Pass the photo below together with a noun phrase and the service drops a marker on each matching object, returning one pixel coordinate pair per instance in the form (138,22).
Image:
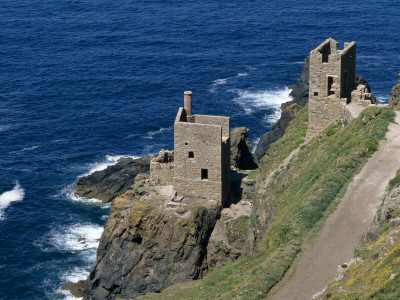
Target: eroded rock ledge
(147,246)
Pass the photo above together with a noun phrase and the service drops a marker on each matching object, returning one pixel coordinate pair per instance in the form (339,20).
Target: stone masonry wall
(204,142)
(328,86)
(226,170)
(161,173)
(348,70)
(224,122)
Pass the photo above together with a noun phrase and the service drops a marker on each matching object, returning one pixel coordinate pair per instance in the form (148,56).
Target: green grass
(293,204)
(378,275)
(395,182)
(253,174)
(294,136)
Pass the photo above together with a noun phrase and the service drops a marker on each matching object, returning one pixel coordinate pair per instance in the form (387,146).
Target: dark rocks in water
(394,101)
(77,289)
(113,181)
(241,156)
(300,98)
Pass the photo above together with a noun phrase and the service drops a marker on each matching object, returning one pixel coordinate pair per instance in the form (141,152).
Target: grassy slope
(378,275)
(293,204)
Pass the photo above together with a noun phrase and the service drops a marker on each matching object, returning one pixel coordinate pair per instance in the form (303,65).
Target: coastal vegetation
(292,204)
(375,271)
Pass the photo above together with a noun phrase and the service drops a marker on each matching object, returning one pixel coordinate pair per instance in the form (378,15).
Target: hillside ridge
(343,229)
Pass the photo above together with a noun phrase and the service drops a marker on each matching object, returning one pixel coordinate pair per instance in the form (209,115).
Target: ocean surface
(83,82)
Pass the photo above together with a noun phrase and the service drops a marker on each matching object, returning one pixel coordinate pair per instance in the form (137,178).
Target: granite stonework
(333,84)
(200,170)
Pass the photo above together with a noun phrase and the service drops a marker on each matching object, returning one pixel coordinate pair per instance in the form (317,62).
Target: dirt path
(343,230)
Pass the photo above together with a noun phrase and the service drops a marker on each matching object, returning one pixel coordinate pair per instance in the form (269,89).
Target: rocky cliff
(394,101)
(299,94)
(151,240)
(147,245)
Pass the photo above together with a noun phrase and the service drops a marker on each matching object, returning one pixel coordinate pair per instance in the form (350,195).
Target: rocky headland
(154,245)
(113,181)
(151,240)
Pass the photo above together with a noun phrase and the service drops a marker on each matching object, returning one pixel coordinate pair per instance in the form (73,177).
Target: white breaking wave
(272,118)
(79,237)
(16,194)
(98,166)
(25,149)
(67,295)
(4,127)
(75,274)
(383,99)
(72,196)
(151,134)
(262,100)
(221,81)
(108,161)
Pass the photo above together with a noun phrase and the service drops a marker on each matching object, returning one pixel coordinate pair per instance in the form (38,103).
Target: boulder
(77,289)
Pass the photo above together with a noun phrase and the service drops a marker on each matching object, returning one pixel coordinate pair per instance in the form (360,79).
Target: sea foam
(264,99)
(108,161)
(16,194)
(79,237)
(151,134)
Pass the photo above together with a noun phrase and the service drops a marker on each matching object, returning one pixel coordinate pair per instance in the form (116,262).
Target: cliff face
(394,101)
(151,240)
(147,246)
(289,109)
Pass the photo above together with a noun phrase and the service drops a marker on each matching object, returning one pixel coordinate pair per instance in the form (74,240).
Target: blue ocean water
(83,82)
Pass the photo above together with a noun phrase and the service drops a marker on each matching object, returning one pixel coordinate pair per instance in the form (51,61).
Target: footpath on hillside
(343,230)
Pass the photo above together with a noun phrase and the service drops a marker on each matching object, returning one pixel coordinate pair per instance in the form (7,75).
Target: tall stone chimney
(188,103)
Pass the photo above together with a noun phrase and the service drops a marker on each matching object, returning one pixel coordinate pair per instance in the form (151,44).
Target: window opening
(204,174)
(330,83)
(191,154)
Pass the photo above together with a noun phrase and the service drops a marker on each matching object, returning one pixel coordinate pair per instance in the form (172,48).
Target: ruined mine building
(200,170)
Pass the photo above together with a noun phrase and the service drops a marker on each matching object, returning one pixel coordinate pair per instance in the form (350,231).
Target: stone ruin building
(199,167)
(332,84)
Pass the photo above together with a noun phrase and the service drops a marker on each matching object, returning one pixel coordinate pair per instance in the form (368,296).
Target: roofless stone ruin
(199,169)
(332,84)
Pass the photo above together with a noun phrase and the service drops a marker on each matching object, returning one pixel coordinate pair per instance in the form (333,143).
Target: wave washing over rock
(16,194)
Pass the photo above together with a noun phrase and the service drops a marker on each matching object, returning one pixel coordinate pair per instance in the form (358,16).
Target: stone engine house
(200,170)
(332,76)
(332,84)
